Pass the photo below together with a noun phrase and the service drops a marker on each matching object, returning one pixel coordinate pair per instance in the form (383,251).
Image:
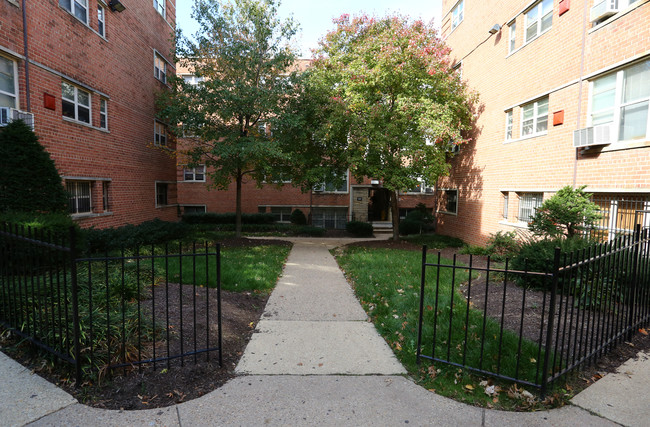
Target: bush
(360,229)
(502,245)
(408,226)
(567,213)
(308,230)
(227,218)
(298,217)
(130,236)
(538,256)
(29,181)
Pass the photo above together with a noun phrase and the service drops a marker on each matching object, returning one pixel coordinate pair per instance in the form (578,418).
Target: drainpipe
(27,91)
(582,66)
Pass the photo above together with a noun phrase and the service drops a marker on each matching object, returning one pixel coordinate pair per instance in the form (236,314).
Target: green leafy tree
(401,105)
(567,213)
(243,54)
(29,181)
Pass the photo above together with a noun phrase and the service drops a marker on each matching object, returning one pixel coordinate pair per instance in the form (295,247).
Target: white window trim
(520,197)
(193,173)
(618,105)
(161,7)
(103,20)
(15,75)
(538,22)
(76,105)
(459,6)
(157,126)
(512,36)
(103,114)
(72,11)
(158,72)
(510,124)
(536,117)
(337,191)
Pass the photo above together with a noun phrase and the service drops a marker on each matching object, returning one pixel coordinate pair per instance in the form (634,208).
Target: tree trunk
(394,200)
(238,207)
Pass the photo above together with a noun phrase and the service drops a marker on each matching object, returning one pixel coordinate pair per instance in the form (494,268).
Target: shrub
(567,213)
(227,218)
(298,217)
(409,226)
(29,181)
(308,230)
(502,245)
(360,229)
(130,236)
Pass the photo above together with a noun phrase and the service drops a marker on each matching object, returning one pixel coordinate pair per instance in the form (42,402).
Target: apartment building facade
(564,91)
(86,73)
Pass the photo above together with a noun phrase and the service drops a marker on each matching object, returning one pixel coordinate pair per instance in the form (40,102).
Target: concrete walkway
(315,360)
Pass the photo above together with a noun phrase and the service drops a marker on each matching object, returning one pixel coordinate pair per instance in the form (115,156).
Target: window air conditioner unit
(593,136)
(603,9)
(7,115)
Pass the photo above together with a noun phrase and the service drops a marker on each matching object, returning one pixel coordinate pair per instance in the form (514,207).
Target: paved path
(315,360)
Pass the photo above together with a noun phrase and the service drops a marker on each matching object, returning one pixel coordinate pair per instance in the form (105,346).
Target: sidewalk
(315,359)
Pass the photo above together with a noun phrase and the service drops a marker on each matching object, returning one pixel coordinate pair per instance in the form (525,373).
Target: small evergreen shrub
(298,217)
(359,229)
(130,236)
(408,226)
(308,230)
(502,245)
(227,218)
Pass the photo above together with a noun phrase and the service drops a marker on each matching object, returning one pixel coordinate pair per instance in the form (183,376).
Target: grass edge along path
(387,283)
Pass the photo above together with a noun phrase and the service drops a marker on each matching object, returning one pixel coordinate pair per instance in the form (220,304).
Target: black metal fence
(490,321)
(152,306)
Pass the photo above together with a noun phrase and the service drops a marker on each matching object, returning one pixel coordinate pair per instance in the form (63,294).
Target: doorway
(379,205)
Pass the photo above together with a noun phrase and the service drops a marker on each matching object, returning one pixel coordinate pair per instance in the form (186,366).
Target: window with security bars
(79,197)
(330,218)
(528,204)
(281,213)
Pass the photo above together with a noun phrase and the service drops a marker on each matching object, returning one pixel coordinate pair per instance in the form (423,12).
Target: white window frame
(72,6)
(512,37)
(192,174)
(619,105)
(160,6)
(159,67)
(160,134)
(77,105)
(537,22)
(506,199)
(193,80)
(14,71)
(509,124)
(101,20)
(536,118)
(103,113)
(338,189)
(528,201)
(76,194)
(457,14)
(324,216)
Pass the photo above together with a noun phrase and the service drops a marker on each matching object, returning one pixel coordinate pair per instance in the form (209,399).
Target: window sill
(194,181)
(88,125)
(448,213)
(528,43)
(87,215)
(522,225)
(523,138)
(626,145)
(166,206)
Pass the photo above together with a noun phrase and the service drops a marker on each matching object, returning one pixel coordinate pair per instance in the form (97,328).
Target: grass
(254,269)
(387,284)
(434,241)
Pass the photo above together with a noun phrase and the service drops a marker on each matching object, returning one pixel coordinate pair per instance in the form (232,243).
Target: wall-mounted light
(495,29)
(116,6)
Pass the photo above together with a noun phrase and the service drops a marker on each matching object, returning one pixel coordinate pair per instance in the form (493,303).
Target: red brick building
(565,90)
(86,73)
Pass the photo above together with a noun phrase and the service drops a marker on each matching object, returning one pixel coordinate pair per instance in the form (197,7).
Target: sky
(315,16)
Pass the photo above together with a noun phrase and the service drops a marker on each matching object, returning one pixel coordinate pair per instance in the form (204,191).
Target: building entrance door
(379,205)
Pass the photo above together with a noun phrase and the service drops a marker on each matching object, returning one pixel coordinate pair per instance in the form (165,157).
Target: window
(193,80)
(281,214)
(79,196)
(75,103)
(8,80)
(159,5)
(161,193)
(103,113)
(194,174)
(512,37)
(194,209)
(509,121)
(78,8)
(105,200)
(528,204)
(534,117)
(623,98)
(457,15)
(451,201)
(421,187)
(331,218)
(539,19)
(160,134)
(341,188)
(506,199)
(101,21)
(160,68)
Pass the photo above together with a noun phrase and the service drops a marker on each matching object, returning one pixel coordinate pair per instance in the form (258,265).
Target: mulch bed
(241,312)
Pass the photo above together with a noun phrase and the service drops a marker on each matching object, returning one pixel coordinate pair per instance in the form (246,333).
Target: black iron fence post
(636,241)
(421,315)
(551,321)
(75,306)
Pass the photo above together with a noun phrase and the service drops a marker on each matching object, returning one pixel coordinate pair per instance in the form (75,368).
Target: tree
(568,212)
(242,54)
(402,105)
(29,181)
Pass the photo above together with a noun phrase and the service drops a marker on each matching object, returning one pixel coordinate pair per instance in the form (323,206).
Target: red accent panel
(564,7)
(50,101)
(558,118)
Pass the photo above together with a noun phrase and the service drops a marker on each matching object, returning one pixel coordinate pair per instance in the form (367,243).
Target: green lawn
(387,283)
